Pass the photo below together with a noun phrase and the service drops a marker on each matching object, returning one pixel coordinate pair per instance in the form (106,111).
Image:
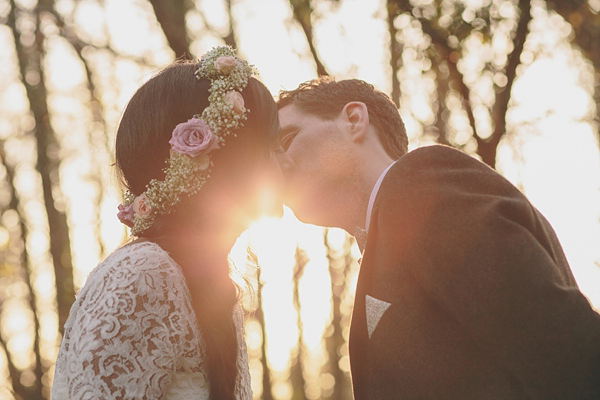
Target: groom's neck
(358,197)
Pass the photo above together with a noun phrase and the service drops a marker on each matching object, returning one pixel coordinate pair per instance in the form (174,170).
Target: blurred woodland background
(515,83)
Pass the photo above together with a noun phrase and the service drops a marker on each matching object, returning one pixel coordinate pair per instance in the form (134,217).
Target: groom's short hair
(325,97)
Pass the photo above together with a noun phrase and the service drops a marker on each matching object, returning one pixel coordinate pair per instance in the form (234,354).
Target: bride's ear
(356,116)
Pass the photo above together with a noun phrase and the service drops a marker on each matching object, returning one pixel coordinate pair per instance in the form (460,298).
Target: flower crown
(189,164)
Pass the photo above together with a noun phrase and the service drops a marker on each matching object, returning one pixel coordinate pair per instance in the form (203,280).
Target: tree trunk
(267,390)
(36,391)
(335,340)
(296,371)
(30,58)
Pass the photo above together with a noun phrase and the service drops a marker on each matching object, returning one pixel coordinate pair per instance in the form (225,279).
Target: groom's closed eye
(286,140)
(287,135)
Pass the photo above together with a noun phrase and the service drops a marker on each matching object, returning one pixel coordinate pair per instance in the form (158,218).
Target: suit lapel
(359,331)
(359,335)
(357,346)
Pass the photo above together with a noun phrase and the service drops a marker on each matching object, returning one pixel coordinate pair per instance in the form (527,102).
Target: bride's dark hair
(142,146)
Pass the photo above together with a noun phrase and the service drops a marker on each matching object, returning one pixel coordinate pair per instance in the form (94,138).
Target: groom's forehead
(290,113)
(292,117)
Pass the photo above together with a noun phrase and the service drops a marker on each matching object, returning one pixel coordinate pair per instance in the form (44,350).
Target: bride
(159,318)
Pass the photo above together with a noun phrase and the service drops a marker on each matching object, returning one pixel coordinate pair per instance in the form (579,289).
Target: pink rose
(141,207)
(225,64)
(193,138)
(235,99)
(126,214)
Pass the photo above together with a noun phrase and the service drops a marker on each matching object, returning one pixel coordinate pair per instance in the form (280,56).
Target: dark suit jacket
(483,303)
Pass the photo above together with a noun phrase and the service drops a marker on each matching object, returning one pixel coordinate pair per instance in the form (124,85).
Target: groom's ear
(356,119)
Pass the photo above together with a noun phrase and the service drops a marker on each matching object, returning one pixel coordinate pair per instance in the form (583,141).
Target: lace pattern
(132,333)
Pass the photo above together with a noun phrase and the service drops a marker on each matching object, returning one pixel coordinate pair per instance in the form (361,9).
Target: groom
(464,291)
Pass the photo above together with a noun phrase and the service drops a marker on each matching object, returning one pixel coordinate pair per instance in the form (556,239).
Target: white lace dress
(132,334)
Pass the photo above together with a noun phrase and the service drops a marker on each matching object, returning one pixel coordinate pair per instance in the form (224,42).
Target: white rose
(235,99)
(225,64)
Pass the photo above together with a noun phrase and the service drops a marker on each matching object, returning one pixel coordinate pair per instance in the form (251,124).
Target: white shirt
(374,195)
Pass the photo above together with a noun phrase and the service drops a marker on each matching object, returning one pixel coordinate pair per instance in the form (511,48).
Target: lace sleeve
(131,332)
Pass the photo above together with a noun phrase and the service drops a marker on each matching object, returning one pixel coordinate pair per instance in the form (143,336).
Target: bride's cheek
(269,189)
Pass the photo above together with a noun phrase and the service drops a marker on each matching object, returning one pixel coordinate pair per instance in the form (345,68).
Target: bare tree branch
(79,44)
(395,50)
(451,57)
(302,11)
(170,14)
(442,93)
(229,38)
(585,23)
(487,147)
(97,111)
(586,26)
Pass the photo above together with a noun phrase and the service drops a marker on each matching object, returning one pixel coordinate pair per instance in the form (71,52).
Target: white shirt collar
(374,195)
